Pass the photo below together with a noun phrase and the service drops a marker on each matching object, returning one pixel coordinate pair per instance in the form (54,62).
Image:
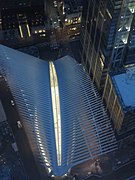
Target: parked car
(19,124)
(12,103)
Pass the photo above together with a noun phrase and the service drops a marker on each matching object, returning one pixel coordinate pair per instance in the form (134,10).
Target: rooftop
(125,86)
(61,110)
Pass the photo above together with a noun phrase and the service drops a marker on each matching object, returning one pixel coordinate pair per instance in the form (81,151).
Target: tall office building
(107,36)
(22,21)
(61,111)
(71,12)
(108,40)
(120,102)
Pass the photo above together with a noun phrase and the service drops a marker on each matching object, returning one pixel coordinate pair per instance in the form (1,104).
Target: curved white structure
(62,112)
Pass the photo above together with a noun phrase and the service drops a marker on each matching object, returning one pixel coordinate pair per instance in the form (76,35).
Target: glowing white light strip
(20,28)
(56,110)
(28,29)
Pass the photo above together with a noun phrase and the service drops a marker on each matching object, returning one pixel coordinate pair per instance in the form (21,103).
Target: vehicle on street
(19,124)
(12,103)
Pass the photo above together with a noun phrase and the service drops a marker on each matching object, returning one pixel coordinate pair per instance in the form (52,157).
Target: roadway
(121,174)
(19,134)
(51,10)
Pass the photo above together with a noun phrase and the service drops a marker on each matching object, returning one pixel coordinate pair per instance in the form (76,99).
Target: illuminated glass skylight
(61,111)
(56,110)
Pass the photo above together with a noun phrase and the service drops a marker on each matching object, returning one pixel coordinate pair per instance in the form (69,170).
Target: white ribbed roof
(80,132)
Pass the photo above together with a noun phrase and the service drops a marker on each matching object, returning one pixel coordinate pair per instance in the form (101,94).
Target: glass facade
(107,36)
(21,21)
(61,111)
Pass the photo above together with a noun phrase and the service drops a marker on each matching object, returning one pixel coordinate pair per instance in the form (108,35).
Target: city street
(122,174)
(47,54)
(51,10)
(72,49)
(19,134)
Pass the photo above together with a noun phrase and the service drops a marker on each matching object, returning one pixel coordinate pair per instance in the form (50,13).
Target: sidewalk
(124,156)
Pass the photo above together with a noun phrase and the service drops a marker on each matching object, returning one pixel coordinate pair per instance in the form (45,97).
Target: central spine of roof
(56,110)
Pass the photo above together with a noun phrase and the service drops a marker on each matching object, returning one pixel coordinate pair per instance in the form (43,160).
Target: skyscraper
(107,36)
(108,41)
(120,102)
(21,21)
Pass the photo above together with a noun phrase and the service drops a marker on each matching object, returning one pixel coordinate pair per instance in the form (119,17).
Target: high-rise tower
(22,21)
(107,36)
(108,41)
